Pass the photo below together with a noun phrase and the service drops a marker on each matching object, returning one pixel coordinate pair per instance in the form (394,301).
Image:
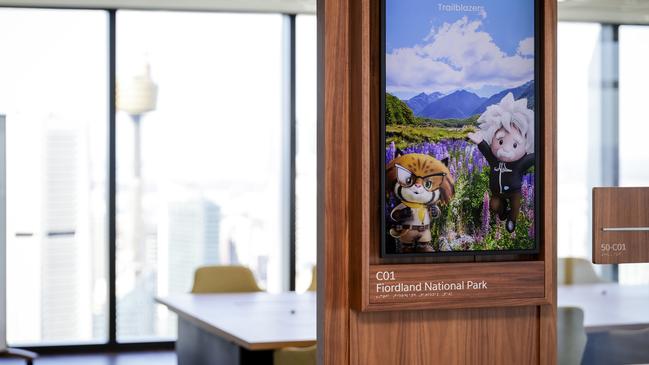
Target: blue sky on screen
(484,47)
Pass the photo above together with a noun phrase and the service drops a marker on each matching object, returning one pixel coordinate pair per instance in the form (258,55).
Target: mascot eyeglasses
(429,182)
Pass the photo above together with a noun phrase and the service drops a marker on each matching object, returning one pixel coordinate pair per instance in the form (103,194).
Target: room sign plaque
(620,225)
(446,284)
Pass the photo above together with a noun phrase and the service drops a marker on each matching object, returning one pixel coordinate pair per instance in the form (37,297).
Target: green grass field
(406,135)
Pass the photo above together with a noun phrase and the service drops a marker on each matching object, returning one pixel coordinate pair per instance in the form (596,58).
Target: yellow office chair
(571,335)
(295,356)
(224,279)
(573,270)
(314,280)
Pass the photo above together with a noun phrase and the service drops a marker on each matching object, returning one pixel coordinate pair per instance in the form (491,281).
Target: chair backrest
(571,336)
(224,279)
(630,346)
(295,356)
(573,270)
(314,280)
(618,347)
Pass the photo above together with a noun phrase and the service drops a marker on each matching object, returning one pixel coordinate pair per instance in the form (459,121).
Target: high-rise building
(193,239)
(187,237)
(65,296)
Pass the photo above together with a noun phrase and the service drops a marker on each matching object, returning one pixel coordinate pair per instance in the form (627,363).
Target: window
(201,162)
(578,162)
(306,156)
(200,177)
(601,129)
(202,157)
(634,127)
(54,93)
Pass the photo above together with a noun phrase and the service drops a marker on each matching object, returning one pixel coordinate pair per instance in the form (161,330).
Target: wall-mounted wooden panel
(523,333)
(620,225)
(473,336)
(456,285)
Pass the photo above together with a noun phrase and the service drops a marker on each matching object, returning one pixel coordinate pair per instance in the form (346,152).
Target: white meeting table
(608,306)
(241,328)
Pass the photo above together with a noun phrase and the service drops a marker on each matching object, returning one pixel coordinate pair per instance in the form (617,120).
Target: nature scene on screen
(459,126)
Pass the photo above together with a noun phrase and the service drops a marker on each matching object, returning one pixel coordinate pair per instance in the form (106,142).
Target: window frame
(289,115)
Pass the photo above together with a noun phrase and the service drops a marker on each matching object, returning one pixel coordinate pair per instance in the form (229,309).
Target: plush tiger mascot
(420,182)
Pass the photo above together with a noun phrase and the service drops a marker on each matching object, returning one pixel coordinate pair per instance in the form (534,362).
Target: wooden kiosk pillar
(508,327)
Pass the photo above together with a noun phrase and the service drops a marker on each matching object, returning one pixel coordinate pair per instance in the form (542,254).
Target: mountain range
(421,101)
(463,104)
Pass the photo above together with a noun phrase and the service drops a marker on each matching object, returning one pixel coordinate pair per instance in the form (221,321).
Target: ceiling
(264,6)
(605,11)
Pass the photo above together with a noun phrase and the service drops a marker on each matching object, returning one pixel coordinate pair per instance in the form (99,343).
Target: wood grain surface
(626,209)
(334,20)
(505,284)
(548,312)
(468,336)
(349,225)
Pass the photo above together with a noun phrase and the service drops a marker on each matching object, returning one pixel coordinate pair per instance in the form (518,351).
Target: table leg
(195,346)
(255,357)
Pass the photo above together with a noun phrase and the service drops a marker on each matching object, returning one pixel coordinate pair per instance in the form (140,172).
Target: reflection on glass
(199,175)
(53,90)
(306,159)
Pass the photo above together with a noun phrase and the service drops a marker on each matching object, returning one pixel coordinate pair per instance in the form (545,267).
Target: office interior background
(110,206)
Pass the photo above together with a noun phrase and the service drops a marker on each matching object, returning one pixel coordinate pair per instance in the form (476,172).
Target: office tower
(182,236)
(193,239)
(135,313)
(65,295)
(137,262)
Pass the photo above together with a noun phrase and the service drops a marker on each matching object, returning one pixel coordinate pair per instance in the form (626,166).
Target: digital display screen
(459,127)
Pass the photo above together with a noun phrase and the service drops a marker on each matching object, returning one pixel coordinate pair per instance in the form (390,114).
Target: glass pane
(578,162)
(200,173)
(590,70)
(306,156)
(53,89)
(634,125)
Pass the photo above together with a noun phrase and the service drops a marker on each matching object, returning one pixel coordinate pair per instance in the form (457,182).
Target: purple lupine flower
(525,191)
(390,153)
(531,232)
(528,192)
(530,188)
(498,235)
(485,213)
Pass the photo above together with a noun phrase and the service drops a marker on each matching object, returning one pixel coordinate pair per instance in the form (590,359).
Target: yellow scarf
(419,207)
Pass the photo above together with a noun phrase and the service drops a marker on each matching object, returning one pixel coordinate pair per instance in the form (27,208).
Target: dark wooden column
(348,224)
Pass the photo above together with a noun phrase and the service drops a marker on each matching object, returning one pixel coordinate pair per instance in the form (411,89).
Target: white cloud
(456,56)
(526,47)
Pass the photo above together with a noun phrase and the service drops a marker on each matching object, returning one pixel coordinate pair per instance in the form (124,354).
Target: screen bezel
(538,163)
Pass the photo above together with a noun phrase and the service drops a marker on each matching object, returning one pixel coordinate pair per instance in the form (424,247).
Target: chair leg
(28,356)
